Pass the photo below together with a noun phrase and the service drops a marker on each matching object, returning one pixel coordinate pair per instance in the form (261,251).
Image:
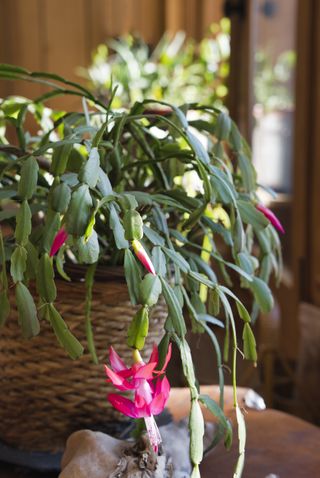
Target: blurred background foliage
(177,70)
(273,80)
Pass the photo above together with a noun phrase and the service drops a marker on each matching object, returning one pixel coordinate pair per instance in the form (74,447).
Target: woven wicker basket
(45,395)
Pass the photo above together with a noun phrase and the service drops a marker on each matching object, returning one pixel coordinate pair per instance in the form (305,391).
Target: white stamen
(153,432)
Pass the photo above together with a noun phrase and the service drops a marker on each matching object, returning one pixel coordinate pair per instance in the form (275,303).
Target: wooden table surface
(277,443)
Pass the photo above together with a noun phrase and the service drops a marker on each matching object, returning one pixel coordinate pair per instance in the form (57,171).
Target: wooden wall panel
(313,214)
(66,42)
(59,35)
(20,36)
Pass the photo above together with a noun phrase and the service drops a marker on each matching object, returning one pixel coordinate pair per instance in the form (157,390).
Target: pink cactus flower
(151,391)
(271,216)
(143,256)
(58,241)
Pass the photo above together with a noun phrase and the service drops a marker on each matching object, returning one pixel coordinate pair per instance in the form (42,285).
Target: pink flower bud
(58,241)
(143,256)
(271,217)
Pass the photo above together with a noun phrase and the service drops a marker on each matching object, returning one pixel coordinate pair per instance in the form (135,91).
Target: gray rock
(96,455)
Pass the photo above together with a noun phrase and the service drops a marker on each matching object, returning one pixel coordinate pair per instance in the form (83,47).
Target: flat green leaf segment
(168,194)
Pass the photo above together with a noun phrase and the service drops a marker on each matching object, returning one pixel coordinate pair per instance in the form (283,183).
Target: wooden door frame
(306,168)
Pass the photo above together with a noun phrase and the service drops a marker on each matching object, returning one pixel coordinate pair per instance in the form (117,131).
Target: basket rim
(103,273)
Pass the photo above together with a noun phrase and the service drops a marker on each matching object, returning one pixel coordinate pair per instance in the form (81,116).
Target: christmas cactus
(168,193)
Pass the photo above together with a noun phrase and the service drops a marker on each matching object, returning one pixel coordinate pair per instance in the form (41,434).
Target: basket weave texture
(45,395)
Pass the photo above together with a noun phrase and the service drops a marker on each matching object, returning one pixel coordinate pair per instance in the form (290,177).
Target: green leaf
(159,261)
(153,236)
(99,135)
(214,301)
(206,183)
(217,228)
(248,173)
(218,150)
(187,364)
(177,259)
(196,326)
(198,148)
(211,320)
(245,262)
(238,234)
(79,211)
(244,314)
(214,408)
(117,228)
(133,277)
(138,329)
(127,201)
(150,289)
(27,312)
(23,224)
(202,279)
(262,294)
(104,184)
(7,192)
(194,217)
(143,198)
(222,187)
(163,350)
(250,215)
(180,116)
(18,263)
(174,308)
(60,198)
(249,343)
(45,279)
(60,158)
(133,225)
(60,263)
(66,339)
(235,138)
(4,307)
(29,178)
(89,249)
(50,229)
(89,282)
(196,426)
(223,126)
(90,170)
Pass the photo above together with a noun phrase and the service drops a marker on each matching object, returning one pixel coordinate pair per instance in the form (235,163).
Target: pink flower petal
(58,241)
(144,390)
(143,256)
(271,217)
(158,403)
(161,395)
(117,380)
(154,357)
(116,363)
(126,373)
(167,360)
(162,386)
(146,371)
(124,405)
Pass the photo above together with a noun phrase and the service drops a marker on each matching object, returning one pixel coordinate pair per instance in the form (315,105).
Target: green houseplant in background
(180,184)
(177,68)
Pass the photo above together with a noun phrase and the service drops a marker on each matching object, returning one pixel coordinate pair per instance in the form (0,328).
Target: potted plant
(170,200)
